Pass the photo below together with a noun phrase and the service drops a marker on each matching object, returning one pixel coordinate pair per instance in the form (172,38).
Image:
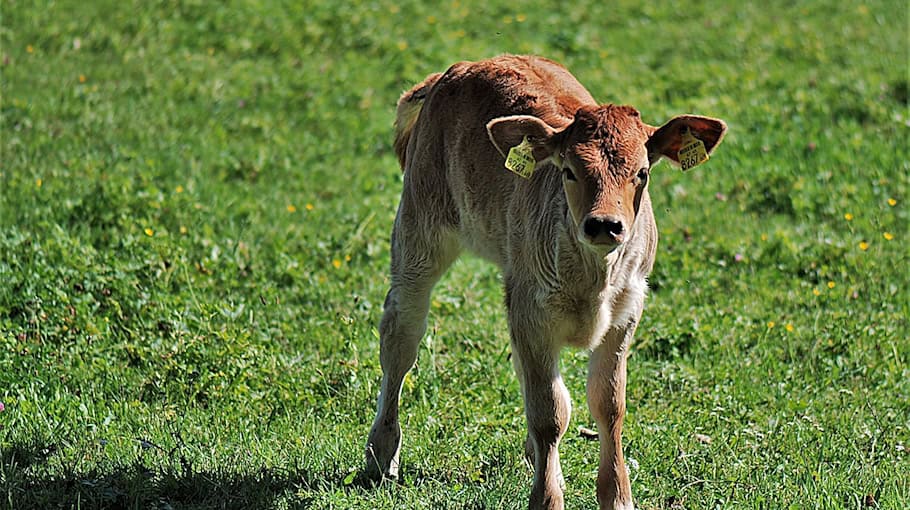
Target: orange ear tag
(521,159)
(692,153)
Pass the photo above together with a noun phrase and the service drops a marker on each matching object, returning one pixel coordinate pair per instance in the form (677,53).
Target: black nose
(602,228)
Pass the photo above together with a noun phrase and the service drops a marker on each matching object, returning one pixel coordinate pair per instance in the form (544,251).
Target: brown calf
(575,241)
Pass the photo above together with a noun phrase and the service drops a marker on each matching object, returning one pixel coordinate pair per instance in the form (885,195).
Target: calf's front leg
(547,408)
(607,401)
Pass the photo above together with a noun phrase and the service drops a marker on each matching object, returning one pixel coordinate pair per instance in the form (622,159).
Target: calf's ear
(507,132)
(667,140)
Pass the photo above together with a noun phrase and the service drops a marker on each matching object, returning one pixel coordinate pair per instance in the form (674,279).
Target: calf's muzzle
(604,230)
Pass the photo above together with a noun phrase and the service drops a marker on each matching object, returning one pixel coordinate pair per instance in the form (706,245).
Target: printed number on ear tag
(692,153)
(521,159)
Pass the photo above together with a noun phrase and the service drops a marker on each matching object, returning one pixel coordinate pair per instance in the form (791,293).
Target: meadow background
(195,201)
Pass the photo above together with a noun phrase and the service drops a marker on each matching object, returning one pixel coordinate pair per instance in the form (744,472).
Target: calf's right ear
(507,132)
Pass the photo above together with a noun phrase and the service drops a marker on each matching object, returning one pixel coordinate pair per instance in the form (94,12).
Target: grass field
(195,201)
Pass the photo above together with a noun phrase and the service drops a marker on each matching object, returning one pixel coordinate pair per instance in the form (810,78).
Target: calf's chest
(583,323)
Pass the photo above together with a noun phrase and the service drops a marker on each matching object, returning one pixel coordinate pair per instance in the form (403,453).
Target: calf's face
(605,155)
(605,171)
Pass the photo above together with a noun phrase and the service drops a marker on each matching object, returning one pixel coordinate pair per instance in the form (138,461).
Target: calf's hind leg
(417,263)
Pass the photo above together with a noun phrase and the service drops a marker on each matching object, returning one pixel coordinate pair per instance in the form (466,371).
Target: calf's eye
(641,177)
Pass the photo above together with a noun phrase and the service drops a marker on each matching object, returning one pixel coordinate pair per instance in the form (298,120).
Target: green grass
(195,202)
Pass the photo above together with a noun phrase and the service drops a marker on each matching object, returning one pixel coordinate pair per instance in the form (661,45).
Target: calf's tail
(406,115)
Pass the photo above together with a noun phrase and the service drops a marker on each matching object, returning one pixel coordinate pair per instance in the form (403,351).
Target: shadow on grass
(24,485)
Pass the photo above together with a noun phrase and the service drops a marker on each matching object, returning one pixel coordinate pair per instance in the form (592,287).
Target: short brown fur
(575,242)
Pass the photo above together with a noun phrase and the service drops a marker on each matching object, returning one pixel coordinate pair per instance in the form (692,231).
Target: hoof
(376,470)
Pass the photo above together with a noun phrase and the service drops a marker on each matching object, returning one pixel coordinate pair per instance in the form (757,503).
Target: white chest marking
(618,307)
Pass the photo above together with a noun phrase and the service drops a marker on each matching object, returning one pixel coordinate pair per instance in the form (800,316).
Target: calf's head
(606,154)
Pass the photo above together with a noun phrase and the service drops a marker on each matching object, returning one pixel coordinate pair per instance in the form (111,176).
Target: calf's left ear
(667,140)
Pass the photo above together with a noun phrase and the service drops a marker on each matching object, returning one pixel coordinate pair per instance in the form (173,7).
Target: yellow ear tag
(521,159)
(692,153)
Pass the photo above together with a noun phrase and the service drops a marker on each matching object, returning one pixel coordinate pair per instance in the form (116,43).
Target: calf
(574,236)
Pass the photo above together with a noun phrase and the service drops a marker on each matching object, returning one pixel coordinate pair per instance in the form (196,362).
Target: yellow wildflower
(830,285)
(149,232)
(789,327)
(29,49)
(291,208)
(408,381)
(182,229)
(816,292)
(863,245)
(402,45)
(309,207)
(81,78)
(347,258)
(179,189)
(770,324)
(336,263)
(892,202)
(520,18)
(888,236)
(38,183)
(848,217)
